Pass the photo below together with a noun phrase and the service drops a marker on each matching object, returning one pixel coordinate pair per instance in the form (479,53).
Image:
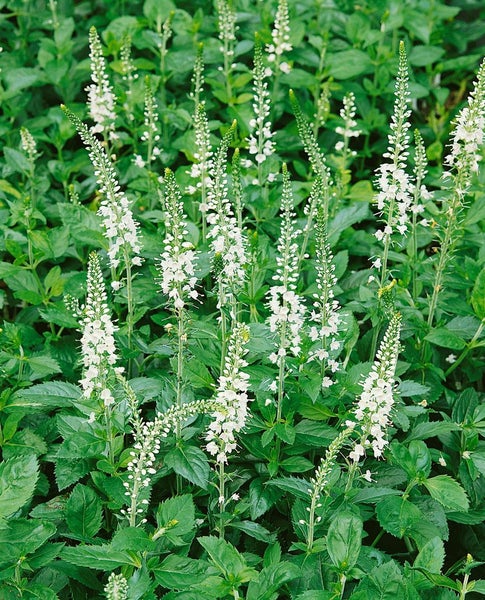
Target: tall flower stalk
(462,162)
(146,446)
(98,350)
(101,98)
(150,135)
(280,43)
(322,189)
(227,241)
(226,24)
(372,415)
(420,195)
(261,144)
(395,190)
(177,270)
(285,305)
(230,418)
(120,228)
(324,319)
(204,166)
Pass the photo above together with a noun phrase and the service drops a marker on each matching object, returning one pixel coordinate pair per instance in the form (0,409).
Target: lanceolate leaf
(344,540)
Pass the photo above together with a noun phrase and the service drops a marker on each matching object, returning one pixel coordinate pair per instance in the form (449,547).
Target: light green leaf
(102,558)
(270,580)
(45,396)
(448,492)
(175,516)
(18,477)
(445,339)
(349,64)
(344,540)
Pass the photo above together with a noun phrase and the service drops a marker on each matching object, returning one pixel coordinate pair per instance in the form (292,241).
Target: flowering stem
(222,496)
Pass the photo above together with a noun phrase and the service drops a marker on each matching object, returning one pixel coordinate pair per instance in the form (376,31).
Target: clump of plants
(243,294)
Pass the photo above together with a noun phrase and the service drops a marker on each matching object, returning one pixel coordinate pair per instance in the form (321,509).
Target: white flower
(231,397)
(372,414)
(101,98)
(450,358)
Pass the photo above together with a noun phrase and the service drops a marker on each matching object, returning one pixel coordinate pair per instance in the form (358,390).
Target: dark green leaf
(344,539)
(84,512)
(191,463)
(448,492)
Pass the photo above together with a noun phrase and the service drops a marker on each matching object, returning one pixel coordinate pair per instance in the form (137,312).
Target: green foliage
(118,481)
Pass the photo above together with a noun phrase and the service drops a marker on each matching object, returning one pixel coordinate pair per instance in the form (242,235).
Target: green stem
(221,498)
(469,347)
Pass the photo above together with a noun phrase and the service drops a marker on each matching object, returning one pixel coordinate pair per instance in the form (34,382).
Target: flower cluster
(28,144)
(395,188)
(101,98)
(281,37)
(98,347)
(324,317)
(232,398)
(371,417)
(119,224)
(147,443)
(468,134)
(176,266)
(150,133)
(348,130)
(227,241)
(116,587)
(197,79)
(285,305)
(227,27)
(260,140)
(201,169)
(421,193)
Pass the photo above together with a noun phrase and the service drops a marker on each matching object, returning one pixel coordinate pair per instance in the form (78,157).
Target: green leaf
(42,366)
(445,339)
(344,540)
(349,64)
(478,295)
(270,580)
(84,512)
(16,160)
(45,396)
(431,556)
(423,431)
(398,516)
(384,582)
(477,586)
(175,517)
(189,462)
(254,530)
(441,580)
(18,477)
(298,487)
(448,492)
(101,558)
(21,537)
(420,56)
(180,572)
(227,559)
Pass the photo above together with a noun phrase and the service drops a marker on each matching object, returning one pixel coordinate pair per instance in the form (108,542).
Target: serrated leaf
(227,558)
(45,396)
(431,556)
(18,477)
(270,579)
(398,516)
(84,512)
(68,471)
(447,492)
(445,339)
(101,558)
(176,516)
(441,580)
(255,530)
(384,582)
(189,462)
(344,540)
(180,572)
(298,487)
(423,431)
